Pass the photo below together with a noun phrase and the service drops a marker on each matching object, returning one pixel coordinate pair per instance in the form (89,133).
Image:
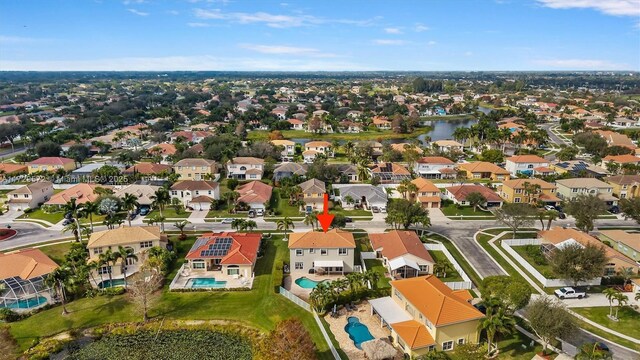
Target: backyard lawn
(39,214)
(440,258)
(628,319)
(56,252)
(169,213)
(358,212)
(542,266)
(453,210)
(376,265)
(282,207)
(261,307)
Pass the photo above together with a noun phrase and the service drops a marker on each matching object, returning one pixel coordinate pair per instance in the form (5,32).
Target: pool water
(205,283)
(358,332)
(306,283)
(111,283)
(27,303)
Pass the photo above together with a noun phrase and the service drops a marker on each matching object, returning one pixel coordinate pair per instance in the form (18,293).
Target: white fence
(456,285)
(368,255)
(326,337)
(294,299)
(175,278)
(507,246)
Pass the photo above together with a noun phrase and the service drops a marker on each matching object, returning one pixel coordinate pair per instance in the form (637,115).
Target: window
(312,251)
(447,345)
(26,196)
(518,191)
(517,200)
(146,244)
(397,294)
(299,265)
(324,252)
(235,271)
(460,341)
(97,250)
(574,190)
(424,268)
(104,270)
(174,192)
(432,347)
(252,176)
(299,252)
(342,251)
(197,265)
(197,192)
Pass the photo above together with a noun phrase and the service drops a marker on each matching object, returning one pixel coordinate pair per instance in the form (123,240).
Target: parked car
(348,219)
(259,212)
(375,209)
(67,222)
(226,221)
(144,210)
(562,215)
(549,207)
(569,293)
(614,209)
(68,215)
(383,209)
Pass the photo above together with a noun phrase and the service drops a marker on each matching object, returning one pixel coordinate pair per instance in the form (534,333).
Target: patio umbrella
(378,349)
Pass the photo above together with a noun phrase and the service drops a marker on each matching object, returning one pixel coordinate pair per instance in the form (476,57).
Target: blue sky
(426,35)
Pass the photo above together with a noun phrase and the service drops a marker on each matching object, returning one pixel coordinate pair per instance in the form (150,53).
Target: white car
(549,207)
(569,293)
(226,221)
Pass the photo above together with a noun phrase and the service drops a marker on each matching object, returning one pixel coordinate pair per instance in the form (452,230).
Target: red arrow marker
(325,219)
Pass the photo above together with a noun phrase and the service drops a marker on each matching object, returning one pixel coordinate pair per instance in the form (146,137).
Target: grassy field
(366,135)
(453,210)
(39,214)
(282,205)
(57,251)
(484,242)
(475,278)
(260,308)
(628,319)
(545,269)
(376,265)
(440,258)
(169,213)
(357,212)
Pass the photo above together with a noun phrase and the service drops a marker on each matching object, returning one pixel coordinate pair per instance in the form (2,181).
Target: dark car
(144,210)
(614,209)
(68,215)
(348,219)
(602,347)
(481,308)
(67,222)
(562,215)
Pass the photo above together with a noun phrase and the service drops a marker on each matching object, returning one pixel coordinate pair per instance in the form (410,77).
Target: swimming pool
(358,332)
(205,283)
(111,283)
(27,303)
(306,283)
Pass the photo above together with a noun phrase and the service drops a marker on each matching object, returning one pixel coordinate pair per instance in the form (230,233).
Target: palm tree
(349,199)
(412,189)
(285,224)
(373,277)
(249,225)
(610,294)
(591,351)
(230,198)
(72,207)
(622,300)
(92,266)
(496,322)
(551,215)
(161,198)
(130,203)
(180,225)
(363,172)
(88,209)
(124,254)
(310,219)
(107,258)
(57,279)
(461,134)
(389,191)
(237,224)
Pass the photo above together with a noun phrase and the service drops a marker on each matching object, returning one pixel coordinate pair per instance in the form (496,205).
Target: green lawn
(453,250)
(376,265)
(261,307)
(97,220)
(484,242)
(512,347)
(545,269)
(452,274)
(358,212)
(453,210)
(169,213)
(628,319)
(608,336)
(57,251)
(282,207)
(39,214)
(223,213)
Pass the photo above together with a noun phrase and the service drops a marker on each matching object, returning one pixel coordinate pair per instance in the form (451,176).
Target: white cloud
(173,12)
(431,43)
(7,39)
(198,24)
(393,31)
(186,63)
(138,12)
(128,2)
(468,53)
(389,42)
(420,28)
(581,64)
(275,20)
(609,7)
(285,50)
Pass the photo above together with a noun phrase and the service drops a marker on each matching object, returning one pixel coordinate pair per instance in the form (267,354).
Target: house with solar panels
(220,260)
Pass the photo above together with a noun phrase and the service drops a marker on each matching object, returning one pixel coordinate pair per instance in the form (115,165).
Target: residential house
(296,124)
(322,252)
(288,149)
(402,253)
(52,164)
(381,122)
(22,279)
(195,194)
(288,169)
(348,172)
(626,242)
(578,168)
(82,193)
(402,147)
(617,139)
(242,168)
(425,315)
(625,123)
(428,194)
(224,255)
(194,137)
(559,236)
(361,195)
(30,196)
(435,167)
(625,186)
(572,188)
(447,145)
(150,170)
(321,147)
(144,193)
(524,164)
(313,191)
(166,151)
(138,238)
(621,159)
(484,170)
(530,191)
(196,169)
(10,170)
(389,173)
(86,172)
(255,194)
(458,194)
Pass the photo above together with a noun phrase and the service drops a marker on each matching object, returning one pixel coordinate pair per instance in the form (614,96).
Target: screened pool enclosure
(17,293)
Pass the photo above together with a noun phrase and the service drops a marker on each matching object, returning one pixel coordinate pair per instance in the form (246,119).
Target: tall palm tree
(57,280)
(92,266)
(310,219)
(610,294)
(249,225)
(285,224)
(363,172)
(237,224)
(160,199)
(129,203)
(230,198)
(622,300)
(496,322)
(124,254)
(180,225)
(89,209)
(107,258)
(73,208)
(551,215)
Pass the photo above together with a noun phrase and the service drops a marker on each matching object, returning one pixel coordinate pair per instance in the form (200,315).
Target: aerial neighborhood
(466,213)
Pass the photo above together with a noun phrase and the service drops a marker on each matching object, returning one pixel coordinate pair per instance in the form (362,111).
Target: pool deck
(363,313)
(290,284)
(233,282)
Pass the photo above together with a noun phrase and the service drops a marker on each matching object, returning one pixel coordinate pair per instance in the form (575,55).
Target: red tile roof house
(402,253)
(458,194)
(227,257)
(296,124)
(255,194)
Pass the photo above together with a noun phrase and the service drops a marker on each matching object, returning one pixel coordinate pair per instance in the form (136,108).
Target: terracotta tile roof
(295,122)
(402,147)
(446,143)
(414,334)
(194,185)
(526,159)
(311,144)
(463,294)
(52,161)
(9,169)
(435,160)
(397,243)
(615,138)
(246,160)
(392,168)
(461,192)
(622,159)
(165,149)
(630,239)
(624,179)
(334,238)
(309,152)
(25,263)
(543,169)
(436,301)
(283,142)
(254,191)
(483,167)
(82,193)
(195,162)
(447,171)
(520,183)
(125,235)
(243,250)
(147,168)
(425,185)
